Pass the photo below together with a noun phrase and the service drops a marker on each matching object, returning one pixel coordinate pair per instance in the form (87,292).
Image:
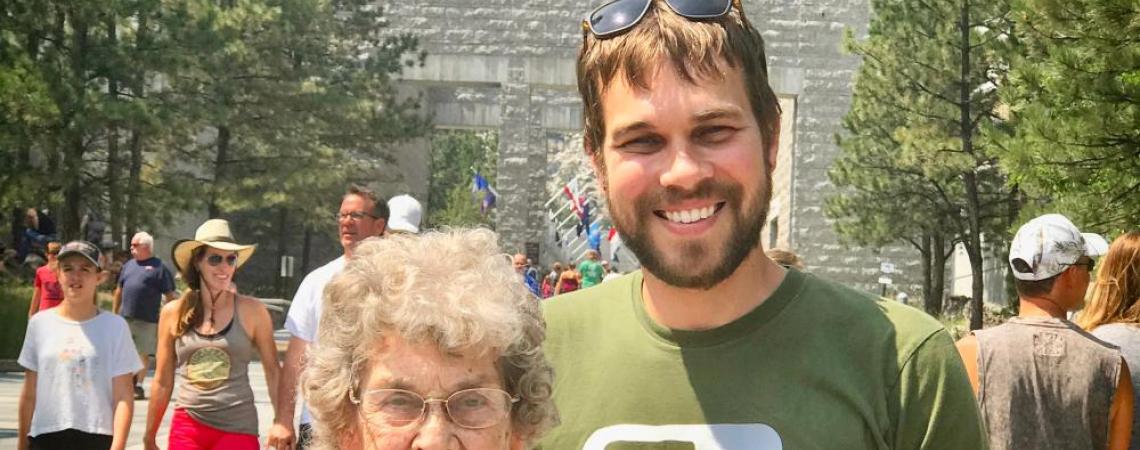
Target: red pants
(189,434)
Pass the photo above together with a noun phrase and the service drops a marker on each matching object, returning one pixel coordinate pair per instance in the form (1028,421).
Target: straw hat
(212,233)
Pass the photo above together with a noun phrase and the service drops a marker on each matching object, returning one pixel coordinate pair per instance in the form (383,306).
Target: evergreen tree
(920,166)
(1075,95)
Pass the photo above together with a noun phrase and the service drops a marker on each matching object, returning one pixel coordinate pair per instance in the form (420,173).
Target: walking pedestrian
(46,290)
(78,363)
(1113,310)
(1042,381)
(206,339)
(144,282)
(362,215)
(591,270)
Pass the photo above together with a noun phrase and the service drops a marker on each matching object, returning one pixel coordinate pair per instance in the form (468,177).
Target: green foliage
(13,318)
(148,109)
(918,162)
(1075,95)
(456,155)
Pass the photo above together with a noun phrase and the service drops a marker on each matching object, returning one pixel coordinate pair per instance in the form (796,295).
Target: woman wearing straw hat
(210,334)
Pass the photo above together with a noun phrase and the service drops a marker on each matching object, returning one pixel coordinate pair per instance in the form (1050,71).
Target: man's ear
(772,153)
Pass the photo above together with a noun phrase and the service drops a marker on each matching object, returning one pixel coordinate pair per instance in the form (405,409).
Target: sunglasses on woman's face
(214,260)
(617,16)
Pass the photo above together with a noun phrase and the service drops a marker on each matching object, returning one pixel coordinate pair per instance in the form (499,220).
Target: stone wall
(510,65)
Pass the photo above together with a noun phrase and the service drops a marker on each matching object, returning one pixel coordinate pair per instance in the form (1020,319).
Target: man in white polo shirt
(362,215)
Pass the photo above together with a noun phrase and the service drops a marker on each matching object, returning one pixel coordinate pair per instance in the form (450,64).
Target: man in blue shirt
(142,284)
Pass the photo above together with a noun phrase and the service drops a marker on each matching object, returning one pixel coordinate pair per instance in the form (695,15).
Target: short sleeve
(301,320)
(167,280)
(934,405)
(29,357)
(39,280)
(122,274)
(126,359)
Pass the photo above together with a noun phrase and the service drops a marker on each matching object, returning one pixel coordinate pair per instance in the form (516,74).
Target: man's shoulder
(593,301)
(874,316)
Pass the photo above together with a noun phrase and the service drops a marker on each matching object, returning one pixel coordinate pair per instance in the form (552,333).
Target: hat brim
(1095,245)
(184,249)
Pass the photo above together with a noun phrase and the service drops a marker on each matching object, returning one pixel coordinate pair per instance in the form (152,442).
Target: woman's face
(424,370)
(216,268)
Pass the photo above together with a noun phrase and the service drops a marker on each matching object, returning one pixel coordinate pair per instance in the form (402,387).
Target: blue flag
(485,194)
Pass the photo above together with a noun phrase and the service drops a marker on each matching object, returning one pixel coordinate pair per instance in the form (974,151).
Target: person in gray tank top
(1113,311)
(206,340)
(1043,382)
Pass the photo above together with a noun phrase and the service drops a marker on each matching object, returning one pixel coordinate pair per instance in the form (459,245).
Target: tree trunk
(114,186)
(938,269)
(973,202)
(305,252)
(73,190)
(223,147)
(282,238)
(133,188)
(927,277)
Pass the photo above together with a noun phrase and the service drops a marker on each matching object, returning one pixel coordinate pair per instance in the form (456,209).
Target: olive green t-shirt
(815,366)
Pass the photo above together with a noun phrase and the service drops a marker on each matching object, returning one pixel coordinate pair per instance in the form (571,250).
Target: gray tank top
(213,378)
(1127,337)
(1045,383)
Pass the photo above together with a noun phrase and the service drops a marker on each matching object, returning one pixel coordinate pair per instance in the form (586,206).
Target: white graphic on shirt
(721,436)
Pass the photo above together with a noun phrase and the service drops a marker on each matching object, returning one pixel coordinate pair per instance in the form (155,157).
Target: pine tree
(1075,95)
(920,166)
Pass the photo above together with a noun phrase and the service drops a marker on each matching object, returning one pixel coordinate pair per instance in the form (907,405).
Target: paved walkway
(11,383)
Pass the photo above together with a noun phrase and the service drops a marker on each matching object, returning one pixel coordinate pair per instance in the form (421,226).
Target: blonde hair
(1116,295)
(454,289)
(695,49)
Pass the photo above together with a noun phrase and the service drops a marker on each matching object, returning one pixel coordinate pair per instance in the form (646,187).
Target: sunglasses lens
(700,9)
(214,260)
(616,16)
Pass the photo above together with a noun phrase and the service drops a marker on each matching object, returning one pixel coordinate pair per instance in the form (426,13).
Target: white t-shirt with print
(75,363)
(305,311)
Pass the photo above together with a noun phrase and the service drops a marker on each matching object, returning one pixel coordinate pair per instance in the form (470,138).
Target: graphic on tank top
(208,367)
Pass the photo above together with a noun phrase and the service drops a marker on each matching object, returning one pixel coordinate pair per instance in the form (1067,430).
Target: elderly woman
(429,342)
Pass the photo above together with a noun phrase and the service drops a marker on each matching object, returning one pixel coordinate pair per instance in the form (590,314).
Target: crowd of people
(417,339)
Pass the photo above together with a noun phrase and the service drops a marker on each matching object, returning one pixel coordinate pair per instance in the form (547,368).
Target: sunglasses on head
(617,16)
(214,260)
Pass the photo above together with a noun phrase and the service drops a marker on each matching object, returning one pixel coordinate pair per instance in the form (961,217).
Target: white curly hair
(455,289)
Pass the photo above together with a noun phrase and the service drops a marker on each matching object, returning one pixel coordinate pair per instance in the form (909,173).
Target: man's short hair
(379,207)
(143,238)
(695,49)
(1027,288)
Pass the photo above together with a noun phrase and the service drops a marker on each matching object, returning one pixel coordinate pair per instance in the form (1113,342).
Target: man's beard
(743,235)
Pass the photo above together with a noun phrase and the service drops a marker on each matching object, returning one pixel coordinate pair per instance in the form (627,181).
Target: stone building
(509,66)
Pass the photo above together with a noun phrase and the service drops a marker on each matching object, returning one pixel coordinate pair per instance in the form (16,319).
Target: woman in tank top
(1113,311)
(206,340)
(568,280)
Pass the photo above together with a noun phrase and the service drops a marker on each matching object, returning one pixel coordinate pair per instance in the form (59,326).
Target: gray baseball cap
(1047,245)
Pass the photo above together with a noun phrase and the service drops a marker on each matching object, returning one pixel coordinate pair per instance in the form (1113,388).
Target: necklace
(213,304)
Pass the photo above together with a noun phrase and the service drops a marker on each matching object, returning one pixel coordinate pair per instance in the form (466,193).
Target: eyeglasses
(214,260)
(1090,264)
(468,408)
(351,216)
(617,16)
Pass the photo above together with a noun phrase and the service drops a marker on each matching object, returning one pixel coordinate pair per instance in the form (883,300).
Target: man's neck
(696,309)
(1041,307)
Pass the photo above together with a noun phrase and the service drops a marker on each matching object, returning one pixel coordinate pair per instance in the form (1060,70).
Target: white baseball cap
(404,214)
(1047,245)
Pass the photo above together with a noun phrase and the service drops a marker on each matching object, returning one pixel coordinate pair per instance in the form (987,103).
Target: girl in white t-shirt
(78,364)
